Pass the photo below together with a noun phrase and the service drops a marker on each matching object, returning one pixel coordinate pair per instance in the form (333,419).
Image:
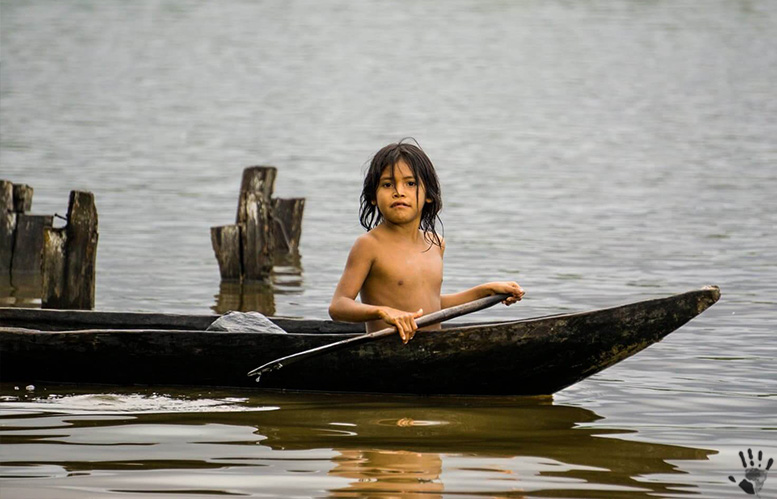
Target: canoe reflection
(365,445)
(398,445)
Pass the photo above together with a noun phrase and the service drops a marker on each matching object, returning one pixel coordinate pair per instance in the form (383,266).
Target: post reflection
(259,296)
(21,290)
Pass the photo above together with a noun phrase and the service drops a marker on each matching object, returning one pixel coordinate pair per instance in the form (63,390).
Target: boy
(396,267)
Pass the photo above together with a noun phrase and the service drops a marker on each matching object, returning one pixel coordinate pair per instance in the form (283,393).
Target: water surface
(597,152)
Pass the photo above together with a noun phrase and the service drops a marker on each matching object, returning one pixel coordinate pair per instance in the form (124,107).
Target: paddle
(426,320)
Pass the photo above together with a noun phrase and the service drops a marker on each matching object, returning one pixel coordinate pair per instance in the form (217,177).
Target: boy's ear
(428,200)
(373,203)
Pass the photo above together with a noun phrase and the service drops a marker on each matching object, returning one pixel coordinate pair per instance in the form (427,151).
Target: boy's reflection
(400,472)
(390,473)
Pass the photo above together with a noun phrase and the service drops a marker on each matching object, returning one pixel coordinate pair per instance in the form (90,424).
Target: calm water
(597,152)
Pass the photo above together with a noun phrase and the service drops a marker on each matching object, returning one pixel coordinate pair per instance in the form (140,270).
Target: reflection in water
(398,445)
(21,290)
(245,296)
(347,445)
(392,473)
(259,296)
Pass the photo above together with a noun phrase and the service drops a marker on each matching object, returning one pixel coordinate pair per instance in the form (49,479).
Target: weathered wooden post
(253,215)
(21,241)
(28,239)
(70,257)
(265,229)
(7,228)
(22,198)
(228,248)
(26,274)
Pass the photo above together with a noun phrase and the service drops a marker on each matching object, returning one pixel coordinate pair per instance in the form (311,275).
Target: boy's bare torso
(406,275)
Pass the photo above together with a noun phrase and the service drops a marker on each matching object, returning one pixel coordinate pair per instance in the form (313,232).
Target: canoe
(535,356)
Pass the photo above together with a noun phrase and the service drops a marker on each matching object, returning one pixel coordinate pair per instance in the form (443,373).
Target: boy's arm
(483,290)
(344,306)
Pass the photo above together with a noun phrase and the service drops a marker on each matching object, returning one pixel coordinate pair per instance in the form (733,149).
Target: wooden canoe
(535,356)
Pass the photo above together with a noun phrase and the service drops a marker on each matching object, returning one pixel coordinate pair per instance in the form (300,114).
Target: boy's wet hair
(422,169)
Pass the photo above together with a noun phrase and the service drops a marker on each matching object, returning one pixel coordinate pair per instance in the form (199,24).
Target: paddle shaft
(426,320)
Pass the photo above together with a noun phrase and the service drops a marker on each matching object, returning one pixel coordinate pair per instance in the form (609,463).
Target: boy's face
(400,196)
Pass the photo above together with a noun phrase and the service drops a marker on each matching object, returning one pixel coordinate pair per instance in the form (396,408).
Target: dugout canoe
(535,356)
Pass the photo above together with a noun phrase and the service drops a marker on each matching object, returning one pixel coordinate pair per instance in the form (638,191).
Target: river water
(599,152)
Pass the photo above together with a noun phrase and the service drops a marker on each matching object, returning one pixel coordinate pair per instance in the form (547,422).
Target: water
(597,152)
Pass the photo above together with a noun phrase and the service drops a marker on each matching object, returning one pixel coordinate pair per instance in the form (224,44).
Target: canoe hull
(525,357)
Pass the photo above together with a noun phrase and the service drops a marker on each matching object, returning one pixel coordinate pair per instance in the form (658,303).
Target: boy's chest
(409,267)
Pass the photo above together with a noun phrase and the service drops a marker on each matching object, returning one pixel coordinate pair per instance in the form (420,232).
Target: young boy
(396,267)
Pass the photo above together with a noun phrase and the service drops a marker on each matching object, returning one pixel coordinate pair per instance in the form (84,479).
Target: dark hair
(422,169)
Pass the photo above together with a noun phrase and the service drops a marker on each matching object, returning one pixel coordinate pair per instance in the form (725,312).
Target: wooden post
(21,240)
(7,229)
(266,230)
(253,213)
(22,198)
(258,181)
(70,256)
(257,240)
(226,244)
(53,268)
(28,244)
(245,250)
(287,226)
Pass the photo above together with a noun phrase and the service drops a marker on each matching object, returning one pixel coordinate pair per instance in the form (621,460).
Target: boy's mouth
(400,204)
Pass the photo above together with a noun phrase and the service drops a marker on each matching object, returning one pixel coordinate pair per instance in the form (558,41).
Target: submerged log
(70,256)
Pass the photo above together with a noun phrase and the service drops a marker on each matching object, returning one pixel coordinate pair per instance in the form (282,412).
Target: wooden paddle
(426,320)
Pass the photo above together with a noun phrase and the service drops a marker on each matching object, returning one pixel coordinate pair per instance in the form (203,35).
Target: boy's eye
(386,184)
(411,183)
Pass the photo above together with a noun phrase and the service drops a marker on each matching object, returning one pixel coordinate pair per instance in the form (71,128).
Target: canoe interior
(73,320)
(77,320)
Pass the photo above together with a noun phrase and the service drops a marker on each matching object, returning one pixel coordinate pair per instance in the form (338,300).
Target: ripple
(117,403)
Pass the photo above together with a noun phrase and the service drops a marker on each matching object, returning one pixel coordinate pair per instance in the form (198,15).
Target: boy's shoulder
(365,243)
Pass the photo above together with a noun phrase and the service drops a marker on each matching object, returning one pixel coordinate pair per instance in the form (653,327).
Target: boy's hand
(403,321)
(509,287)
